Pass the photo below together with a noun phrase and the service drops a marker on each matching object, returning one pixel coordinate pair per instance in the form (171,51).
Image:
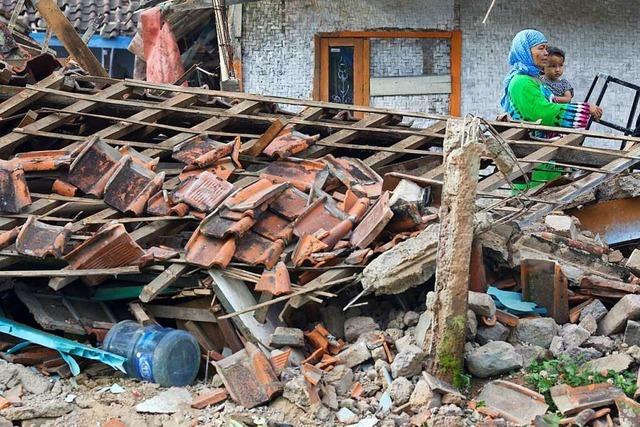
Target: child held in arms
(552,77)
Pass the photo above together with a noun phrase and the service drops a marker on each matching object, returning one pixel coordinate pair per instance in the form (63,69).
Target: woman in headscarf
(527,98)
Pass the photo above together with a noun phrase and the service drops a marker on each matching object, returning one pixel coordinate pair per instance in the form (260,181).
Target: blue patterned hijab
(521,60)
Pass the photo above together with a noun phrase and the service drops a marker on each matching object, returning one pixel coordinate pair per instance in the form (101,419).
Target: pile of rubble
(300,251)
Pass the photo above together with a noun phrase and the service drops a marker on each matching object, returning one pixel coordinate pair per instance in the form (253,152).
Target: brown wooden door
(344,70)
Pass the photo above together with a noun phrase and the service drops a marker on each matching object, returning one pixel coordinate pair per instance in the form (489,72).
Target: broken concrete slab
(50,409)
(632,333)
(408,264)
(482,304)
(562,225)
(283,337)
(355,354)
(400,390)
(574,335)
(615,362)
(596,309)
(492,359)
(408,362)
(529,353)
(634,260)
(589,324)
(600,343)
(167,402)
(422,395)
(628,308)
(517,404)
(341,377)
(537,331)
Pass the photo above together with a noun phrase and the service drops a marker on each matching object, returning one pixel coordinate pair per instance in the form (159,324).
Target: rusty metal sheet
(290,203)
(93,167)
(38,239)
(256,250)
(112,246)
(46,160)
(274,227)
(373,223)
(131,185)
(275,281)
(320,215)
(616,221)
(355,175)
(14,193)
(204,192)
(207,251)
(254,195)
(301,174)
(220,228)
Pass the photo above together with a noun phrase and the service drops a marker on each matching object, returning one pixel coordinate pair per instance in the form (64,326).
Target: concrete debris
(589,323)
(614,362)
(400,390)
(628,308)
(167,402)
(482,304)
(596,309)
(493,358)
(562,225)
(574,335)
(408,362)
(536,331)
(283,337)
(632,333)
(497,332)
(355,354)
(356,326)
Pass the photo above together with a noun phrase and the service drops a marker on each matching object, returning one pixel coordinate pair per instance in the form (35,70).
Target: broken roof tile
(236,216)
(8,237)
(281,360)
(220,228)
(254,195)
(112,246)
(355,175)
(131,185)
(204,192)
(231,149)
(301,174)
(275,281)
(373,223)
(161,204)
(290,203)
(64,188)
(207,251)
(323,214)
(14,193)
(223,168)
(274,227)
(190,150)
(307,245)
(93,166)
(38,239)
(288,143)
(311,374)
(162,253)
(139,158)
(46,160)
(255,249)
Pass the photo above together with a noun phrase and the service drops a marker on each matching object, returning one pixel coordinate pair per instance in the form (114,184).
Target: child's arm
(564,99)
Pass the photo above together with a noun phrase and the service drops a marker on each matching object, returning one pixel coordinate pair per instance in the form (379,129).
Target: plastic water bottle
(169,357)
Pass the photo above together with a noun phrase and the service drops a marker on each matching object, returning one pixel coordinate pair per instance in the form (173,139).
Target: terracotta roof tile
(162,253)
(307,245)
(139,158)
(161,204)
(290,203)
(220,228)
(38,239)
(64,188)
(300,174)
(8,237)
(275,281)
(110,247)
(223,168)
(322,214)
(255,249)
(14,193)
(220,151)
(355,175)
(43,160)
(204,192)
(288,143)
(373,223)
(280,361)
(93,167)
(274,227)
(254,195)
(207,251)
(131,185)
(236,216)
(190,150)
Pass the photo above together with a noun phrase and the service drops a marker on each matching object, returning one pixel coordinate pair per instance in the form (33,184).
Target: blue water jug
(169,357)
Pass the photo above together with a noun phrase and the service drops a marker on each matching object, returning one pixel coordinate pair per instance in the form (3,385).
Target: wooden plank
(72,42)
(410,85)
(199,334)
(380,159)
(163,281)
(29,96)
(72,273)
(10,141)
(181,313)
(141,316)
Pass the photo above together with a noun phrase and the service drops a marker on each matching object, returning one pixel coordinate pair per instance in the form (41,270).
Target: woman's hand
(595,111)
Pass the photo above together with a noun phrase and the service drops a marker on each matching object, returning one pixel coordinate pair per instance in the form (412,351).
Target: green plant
(544,374)
(462,381)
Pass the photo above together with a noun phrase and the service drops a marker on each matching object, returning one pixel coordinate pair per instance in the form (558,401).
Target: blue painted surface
(119,42)
(513,303)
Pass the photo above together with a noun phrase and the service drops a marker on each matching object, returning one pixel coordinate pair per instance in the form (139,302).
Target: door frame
(455,37)
(361,67)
